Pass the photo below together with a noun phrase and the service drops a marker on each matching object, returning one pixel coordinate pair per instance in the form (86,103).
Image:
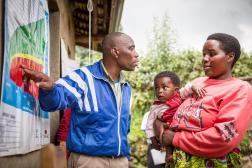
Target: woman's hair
(228,44)
(174,77)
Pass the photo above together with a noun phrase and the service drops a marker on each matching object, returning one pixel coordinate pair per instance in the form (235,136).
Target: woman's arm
(64,126)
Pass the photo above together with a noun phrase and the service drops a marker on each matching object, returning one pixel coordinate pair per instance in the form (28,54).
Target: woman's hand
(158,128)
(167,138)
(155,143)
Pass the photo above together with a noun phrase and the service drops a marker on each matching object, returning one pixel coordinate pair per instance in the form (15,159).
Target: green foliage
(245,144)
(82,56)
(243,67)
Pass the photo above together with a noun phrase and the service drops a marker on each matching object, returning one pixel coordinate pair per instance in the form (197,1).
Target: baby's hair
(173,76)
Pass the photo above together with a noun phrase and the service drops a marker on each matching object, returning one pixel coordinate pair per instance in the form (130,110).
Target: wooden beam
(94,18)
(115,15)
(84,39)
(1,39)
(67,30)
(53,5)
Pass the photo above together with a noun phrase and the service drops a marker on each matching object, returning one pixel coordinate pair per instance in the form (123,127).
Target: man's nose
(136,54)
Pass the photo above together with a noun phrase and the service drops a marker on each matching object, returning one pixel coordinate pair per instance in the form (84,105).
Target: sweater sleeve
(186,91)
(149,126)
(64,126)
(230,126)
(155,111)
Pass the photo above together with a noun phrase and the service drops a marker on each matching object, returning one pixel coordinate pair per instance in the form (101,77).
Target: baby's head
(166,84)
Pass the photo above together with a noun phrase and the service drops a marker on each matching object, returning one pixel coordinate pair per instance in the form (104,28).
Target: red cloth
(174,102)
(64,126)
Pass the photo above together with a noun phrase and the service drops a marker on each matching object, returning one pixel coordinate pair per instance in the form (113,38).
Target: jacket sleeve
(230,126)
(62,95)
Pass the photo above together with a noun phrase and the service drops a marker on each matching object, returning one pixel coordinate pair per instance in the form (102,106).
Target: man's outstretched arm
(41,79)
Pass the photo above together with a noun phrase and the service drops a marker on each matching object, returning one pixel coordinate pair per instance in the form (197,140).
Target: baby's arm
(156,111)
(149,126)
(190,88)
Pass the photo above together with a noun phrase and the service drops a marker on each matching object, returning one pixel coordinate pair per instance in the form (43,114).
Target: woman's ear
(231,56)
(176,88)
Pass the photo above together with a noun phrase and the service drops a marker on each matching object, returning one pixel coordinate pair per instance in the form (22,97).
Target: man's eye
(132,48)
(166,87)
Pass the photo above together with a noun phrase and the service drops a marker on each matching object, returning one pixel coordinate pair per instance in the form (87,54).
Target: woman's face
(216,63)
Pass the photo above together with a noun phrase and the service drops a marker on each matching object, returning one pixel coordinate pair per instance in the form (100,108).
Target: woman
(206,130)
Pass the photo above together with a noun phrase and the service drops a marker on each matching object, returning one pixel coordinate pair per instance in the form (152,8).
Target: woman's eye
(212,54)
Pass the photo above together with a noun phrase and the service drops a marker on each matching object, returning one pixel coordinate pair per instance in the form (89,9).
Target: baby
(169,97)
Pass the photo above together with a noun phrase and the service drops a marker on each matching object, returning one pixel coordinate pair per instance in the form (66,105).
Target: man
(99,98)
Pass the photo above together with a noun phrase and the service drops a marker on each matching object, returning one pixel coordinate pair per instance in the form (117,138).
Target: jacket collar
(98,71)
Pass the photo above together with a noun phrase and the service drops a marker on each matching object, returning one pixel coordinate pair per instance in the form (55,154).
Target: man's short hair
(109,41)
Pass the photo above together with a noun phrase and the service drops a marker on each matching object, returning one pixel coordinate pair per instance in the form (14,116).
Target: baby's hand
(199,91)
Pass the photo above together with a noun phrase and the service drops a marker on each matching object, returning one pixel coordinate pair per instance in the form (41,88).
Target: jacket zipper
(119,113)
(119,116)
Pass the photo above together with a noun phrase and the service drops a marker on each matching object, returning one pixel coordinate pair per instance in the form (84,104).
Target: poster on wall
(24,127)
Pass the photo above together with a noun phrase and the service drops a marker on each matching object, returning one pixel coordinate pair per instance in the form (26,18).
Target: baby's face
(164,88)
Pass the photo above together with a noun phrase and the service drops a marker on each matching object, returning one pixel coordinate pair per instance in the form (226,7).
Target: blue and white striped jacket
(96,127)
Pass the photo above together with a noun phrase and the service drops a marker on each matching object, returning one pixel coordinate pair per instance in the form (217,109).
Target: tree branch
(246,78)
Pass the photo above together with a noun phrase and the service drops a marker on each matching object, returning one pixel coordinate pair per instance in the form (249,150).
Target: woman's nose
(205,58)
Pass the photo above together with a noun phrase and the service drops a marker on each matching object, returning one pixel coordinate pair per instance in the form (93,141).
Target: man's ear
(231,56)
(115,52)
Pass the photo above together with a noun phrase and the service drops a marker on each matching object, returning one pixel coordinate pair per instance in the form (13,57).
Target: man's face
(127,57)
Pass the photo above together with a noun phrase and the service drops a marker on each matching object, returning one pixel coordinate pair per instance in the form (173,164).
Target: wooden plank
(53,157)
(84,39)
(1,39)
